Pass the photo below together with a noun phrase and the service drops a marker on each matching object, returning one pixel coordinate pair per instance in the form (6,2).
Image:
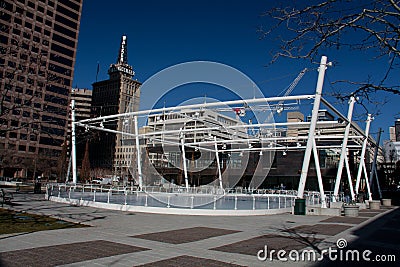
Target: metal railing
(196,198)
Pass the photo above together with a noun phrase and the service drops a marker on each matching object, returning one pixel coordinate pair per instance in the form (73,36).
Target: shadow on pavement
(380,237)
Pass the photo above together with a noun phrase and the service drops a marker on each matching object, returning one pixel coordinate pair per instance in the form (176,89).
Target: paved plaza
(117,238)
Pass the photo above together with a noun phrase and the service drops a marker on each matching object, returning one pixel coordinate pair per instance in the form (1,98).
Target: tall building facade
(118,94)
(397,130)
(83,103)
(37,57)
(83,108)
(392,146)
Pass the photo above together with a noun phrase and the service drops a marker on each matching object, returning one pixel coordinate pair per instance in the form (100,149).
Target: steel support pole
(343,154)
(366,182)
(314,118)
(138,154)
(73,143)
(218,163)
(373,170)
(363,150)
(353,196)
(184,163)
(69,169)
(377,183)
(319,176)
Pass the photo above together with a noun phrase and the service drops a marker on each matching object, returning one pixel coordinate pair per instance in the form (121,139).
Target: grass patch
(19,222)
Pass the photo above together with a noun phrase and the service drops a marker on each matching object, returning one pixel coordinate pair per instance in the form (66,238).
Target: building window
(31,4)
(40,9)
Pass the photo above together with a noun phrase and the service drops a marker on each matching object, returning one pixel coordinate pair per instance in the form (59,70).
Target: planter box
(351,210)
(363,206)
(374,204)
(337,205)
(317,210)
(387,202)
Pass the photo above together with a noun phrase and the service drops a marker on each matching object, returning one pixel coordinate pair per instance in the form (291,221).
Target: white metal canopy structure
(221,137)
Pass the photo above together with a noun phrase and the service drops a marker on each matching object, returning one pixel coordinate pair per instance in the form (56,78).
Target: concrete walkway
(118,238)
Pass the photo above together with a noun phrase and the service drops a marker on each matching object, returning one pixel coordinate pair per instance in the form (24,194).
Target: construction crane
(290,89)
(277,108)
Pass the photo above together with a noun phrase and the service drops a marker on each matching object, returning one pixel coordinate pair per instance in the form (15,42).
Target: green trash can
(37,188)
(300,206)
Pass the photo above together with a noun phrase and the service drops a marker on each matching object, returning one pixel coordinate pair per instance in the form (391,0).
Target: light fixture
(261,153)
(284,153)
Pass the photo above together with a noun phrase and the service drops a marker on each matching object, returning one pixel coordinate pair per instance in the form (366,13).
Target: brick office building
(37,57)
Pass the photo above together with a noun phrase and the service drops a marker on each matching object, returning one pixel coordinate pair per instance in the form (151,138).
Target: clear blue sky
(165,33)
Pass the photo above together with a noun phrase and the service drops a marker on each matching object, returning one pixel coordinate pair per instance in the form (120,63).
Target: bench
(6,197)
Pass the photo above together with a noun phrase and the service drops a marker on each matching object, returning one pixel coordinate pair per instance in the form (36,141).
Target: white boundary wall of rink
(238,202)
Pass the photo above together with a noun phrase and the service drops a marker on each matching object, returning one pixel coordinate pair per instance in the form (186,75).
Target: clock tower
(117,95)
(121,67)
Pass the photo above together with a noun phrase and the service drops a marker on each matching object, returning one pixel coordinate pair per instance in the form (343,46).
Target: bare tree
(304,28)
(100,172)
(85,170)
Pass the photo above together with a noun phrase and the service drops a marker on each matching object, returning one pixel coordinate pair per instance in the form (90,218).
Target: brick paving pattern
(276,242)
(321,229)
(189,261)
(367,214)
(187,235)
(348,220)
(65,254)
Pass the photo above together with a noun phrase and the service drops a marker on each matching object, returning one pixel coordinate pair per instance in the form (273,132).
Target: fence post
(235,202)
(215,202)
